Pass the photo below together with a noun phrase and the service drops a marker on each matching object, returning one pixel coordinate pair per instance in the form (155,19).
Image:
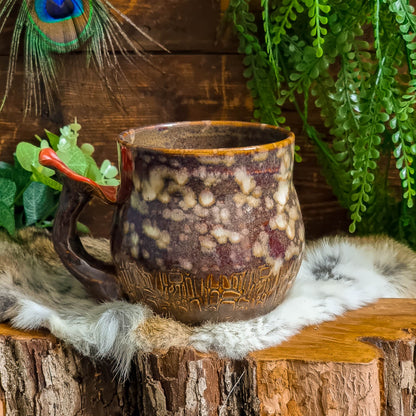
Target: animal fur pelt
(337,274)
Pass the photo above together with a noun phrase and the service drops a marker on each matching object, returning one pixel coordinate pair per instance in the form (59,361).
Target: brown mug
(207,223)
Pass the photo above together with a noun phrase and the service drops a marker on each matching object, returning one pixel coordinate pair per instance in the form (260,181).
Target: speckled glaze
(206,233)
(208,224)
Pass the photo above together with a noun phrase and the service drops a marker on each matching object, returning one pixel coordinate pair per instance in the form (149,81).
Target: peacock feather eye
(54,11)
(59,9)
(61,23)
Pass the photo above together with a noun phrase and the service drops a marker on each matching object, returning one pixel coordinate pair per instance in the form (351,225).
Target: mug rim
(212,151)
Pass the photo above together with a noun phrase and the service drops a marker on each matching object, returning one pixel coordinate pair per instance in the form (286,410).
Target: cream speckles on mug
(206,198)
(246,182)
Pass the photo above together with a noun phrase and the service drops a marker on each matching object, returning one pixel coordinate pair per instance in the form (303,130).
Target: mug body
(211,227)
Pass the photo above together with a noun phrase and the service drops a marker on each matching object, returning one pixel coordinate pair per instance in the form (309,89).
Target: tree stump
(41,376)
(359,364)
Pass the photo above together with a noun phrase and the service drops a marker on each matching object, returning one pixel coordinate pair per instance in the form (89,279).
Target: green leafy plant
(29,192)
(357,64)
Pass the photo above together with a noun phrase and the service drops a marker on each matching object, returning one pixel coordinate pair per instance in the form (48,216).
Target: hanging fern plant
(356,61)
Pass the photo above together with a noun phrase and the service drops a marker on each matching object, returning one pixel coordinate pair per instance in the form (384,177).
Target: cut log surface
(359,364)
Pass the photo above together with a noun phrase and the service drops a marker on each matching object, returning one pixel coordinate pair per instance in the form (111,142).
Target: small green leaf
(379,128)
(74,158)
(339,157)
(28,155)
(20,177)
(396,137)
(108,170)
(7,218)
(404,28)
(53,139)
(116,182)
(38,202)
(6,170)
(92,172)
(7,191)
(248,73)
(82,228)
(384,117)
(409,37)
(397,151)
(374,153)
(106,164)
(39,176)
(339,146)
(64,145)
(325,8)
(319,51)
(87,148)
(411,46)
(323,20)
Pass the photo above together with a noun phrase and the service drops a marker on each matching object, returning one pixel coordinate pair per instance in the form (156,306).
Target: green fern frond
(376,26)
(366,148)
(307,69)
(316,12)
(271,45)
(261,80)
(321,90)
(403,13)
(364,88)
(405,148)
(284,18)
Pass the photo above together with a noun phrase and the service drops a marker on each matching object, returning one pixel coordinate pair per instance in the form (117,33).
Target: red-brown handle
(98,278)
(49,158)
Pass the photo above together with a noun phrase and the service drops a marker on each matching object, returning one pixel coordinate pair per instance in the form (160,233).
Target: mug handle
(98,277)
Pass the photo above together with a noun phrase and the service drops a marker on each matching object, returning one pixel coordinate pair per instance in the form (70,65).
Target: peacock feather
(53,27)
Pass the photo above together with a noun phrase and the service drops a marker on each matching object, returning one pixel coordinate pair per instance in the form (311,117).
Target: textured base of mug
(212,297)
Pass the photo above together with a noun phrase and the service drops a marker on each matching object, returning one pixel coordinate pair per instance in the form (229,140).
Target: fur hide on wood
(337,274)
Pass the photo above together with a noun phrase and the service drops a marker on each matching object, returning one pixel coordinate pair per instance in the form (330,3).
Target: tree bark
(360,364)
(185,382)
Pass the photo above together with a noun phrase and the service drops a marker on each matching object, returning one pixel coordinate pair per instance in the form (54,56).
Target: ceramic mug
(207,223)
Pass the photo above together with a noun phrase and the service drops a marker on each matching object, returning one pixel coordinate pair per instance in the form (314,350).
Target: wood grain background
(201,78)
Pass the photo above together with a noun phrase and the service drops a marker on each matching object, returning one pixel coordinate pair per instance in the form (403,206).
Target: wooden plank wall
(201,78)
